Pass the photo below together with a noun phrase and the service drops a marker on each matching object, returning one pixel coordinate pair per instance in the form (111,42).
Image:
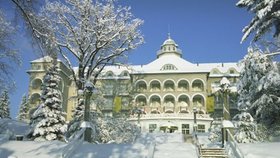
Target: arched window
(197,86)
(198,102)
(36,83)
(183,101)
(155,101)
(35,99)
(155,86)
(141,86)
(168,67)
(169,85)
(109,74)
(183,85)
(141,100)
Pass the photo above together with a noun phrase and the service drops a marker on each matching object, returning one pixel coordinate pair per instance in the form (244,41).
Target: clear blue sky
(205,30)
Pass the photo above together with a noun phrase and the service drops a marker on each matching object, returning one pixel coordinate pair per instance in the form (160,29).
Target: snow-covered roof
(181,66)
(169,61)
(43,59)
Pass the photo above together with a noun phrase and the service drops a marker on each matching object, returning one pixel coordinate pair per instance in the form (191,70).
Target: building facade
(160,96)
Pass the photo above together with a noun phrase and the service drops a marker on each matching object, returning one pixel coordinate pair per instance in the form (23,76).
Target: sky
(205,30)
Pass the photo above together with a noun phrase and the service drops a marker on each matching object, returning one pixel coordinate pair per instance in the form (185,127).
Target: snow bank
(203,139)
(260,150)
(11,128)
(167,145)
(28,149)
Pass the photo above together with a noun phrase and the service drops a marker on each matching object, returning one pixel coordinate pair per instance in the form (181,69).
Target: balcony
(169,107)
(155,89)
(171,115)
(197,89)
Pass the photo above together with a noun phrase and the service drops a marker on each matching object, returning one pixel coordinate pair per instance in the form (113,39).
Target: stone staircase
(212,153)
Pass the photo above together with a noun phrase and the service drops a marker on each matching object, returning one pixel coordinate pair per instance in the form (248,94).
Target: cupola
(168,47)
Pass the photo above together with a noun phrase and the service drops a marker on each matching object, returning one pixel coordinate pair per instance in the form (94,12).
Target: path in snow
(170,145)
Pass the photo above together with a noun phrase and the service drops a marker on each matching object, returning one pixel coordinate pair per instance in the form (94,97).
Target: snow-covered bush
(48,122)
(215,133)
(114,130)
(246,128)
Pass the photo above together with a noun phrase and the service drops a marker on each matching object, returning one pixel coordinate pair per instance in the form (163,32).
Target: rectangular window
(200,128)
(185,129)
(152,127)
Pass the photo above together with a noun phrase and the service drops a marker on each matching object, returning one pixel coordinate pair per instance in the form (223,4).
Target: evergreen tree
(48,122)
(78,116)
(259,88)
(266,17)
(246,128)
(24,109)
(4,105)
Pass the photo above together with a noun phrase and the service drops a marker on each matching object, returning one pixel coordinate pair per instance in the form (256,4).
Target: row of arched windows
(36,84)
(197,85)
(183,100)
(170,103)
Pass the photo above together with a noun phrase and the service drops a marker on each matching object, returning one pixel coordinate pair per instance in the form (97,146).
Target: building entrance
(168,129)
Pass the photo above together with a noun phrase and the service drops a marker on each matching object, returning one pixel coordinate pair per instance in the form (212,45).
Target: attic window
(168,67)
(110,74)
(215,72)
(231,71)
(125,74)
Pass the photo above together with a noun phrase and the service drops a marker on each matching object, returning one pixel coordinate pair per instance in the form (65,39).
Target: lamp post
(194,120)
(89,90)
(225,90)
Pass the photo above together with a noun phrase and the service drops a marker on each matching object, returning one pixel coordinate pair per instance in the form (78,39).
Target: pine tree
(78,115)
(24,109)
(259,88)
(246,128)
(266,17)
(48,122)
(4,105)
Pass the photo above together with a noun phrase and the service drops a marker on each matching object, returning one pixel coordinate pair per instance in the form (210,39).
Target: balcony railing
(197,89)
(171,115)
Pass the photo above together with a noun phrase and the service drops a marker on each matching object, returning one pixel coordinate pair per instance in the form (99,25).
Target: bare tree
(90,34)
(28,11)
(9,57)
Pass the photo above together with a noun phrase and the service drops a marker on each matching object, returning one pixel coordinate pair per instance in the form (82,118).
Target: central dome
(169,47)
(169,41)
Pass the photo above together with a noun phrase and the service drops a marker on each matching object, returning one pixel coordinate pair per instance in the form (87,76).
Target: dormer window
(231,71)
(110,74)
(168,67)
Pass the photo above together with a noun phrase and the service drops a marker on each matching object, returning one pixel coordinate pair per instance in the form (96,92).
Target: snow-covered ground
(260,150)
(157,145)
(205,142)
(10,128)
(147,144)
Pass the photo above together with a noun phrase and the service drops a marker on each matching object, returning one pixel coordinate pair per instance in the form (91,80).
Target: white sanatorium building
(164,91)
